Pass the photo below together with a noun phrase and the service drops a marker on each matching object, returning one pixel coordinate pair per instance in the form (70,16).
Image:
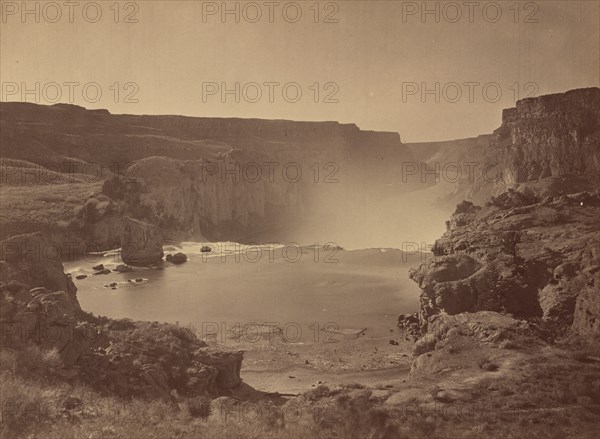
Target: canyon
(256,180)
(509,310)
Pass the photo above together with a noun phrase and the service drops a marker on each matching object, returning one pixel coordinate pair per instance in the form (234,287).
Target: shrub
(37,361)
(199,407)
(114,188)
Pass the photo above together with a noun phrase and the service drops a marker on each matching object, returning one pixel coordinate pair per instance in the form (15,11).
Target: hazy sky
(372,58)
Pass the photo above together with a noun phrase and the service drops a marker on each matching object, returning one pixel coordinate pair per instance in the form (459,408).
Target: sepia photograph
(310,219)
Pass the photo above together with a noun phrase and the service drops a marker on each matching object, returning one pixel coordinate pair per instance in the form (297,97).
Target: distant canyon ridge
(75,174)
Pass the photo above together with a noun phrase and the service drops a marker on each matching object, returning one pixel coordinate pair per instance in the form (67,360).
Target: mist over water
(356,217)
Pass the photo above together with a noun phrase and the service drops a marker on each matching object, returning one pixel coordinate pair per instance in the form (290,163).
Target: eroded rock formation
(213,199)
(141,243)
(529,258)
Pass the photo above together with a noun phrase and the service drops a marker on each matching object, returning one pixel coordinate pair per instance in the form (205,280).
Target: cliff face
(550,135)
(457,151)
(57,133)
(189,196)
(458,169)
(547,136)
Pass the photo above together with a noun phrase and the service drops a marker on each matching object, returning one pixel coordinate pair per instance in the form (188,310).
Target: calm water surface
(235,284)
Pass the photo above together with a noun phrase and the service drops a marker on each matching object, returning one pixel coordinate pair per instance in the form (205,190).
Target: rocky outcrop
(156,359)
(587,310)
(118,357)
(227,364)
(48,315)
(141,243)
(532,251)
(484,326)
(521,256)
(32,259)
(39,307)
(99,221)
(47,319)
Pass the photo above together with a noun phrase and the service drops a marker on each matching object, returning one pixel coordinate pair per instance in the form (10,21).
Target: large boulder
(452,283)
(177,258)
(141,243)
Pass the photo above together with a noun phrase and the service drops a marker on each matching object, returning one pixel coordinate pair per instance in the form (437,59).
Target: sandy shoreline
(293,368)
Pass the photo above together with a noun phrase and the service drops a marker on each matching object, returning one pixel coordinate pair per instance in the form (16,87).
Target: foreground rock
(48,319)
(47,315)
(519,256)
(122,268)
(177,258)
(33,260)
(124,358)
(153,359)
(141,243)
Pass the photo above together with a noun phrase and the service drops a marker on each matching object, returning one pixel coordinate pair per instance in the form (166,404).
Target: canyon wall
(247,179)
(461,169)
(197,178)
(549,136)
(213,199)
(42,134)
